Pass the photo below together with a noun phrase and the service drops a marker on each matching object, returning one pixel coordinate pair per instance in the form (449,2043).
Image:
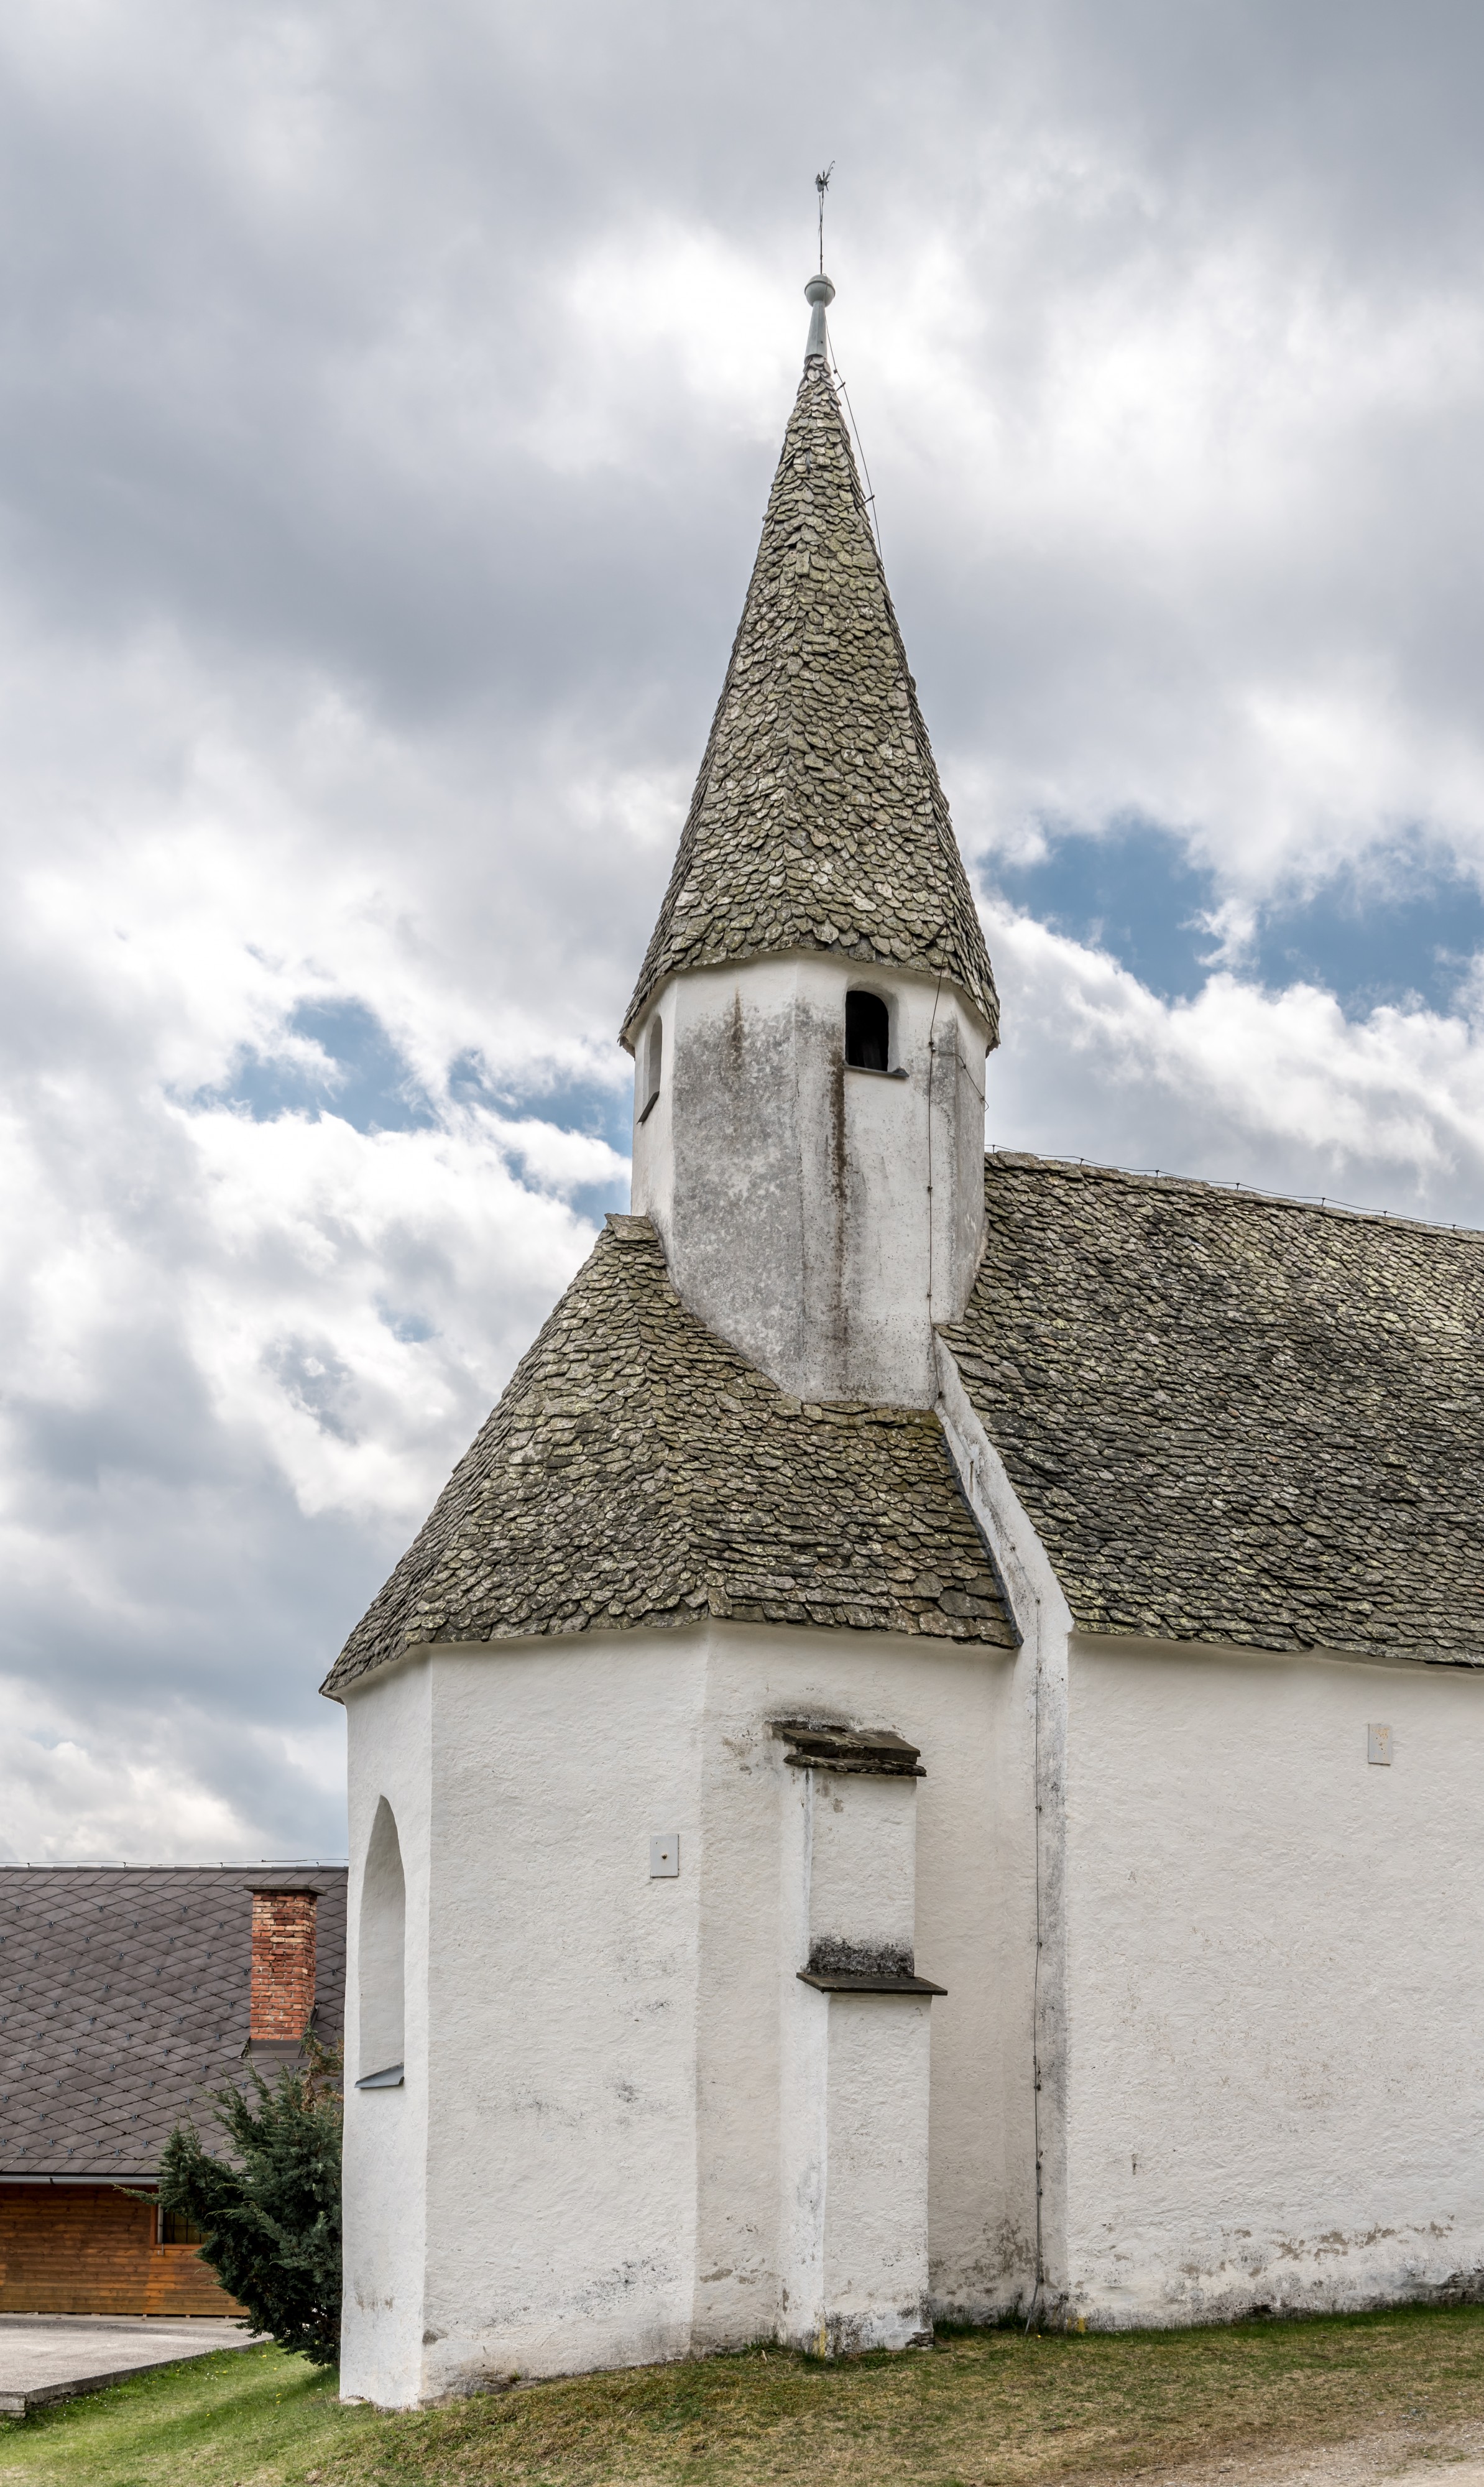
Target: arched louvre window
(867,1032)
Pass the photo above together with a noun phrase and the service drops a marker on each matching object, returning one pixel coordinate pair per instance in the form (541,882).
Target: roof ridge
(1320,1204)
(817,821)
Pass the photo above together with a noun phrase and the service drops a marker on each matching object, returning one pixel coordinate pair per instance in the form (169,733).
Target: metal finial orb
(819,289)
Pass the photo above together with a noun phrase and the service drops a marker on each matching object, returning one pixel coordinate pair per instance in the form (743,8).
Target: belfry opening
(867,1032)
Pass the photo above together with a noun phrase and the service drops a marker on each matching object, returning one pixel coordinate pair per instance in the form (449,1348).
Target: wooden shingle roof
(1234,1418)
(818,822)
(639,1473)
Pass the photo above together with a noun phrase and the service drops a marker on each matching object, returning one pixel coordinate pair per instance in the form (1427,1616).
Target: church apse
(639,2112)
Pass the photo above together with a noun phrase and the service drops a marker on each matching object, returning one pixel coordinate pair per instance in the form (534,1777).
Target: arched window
(867,1031)
(383,1938)
(653,1058)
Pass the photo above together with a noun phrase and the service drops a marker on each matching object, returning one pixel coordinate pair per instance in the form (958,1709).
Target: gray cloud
(387,407)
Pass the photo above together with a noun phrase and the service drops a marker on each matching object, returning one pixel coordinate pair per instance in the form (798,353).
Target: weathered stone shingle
(639,1473)
(1236,1419)
(818,822)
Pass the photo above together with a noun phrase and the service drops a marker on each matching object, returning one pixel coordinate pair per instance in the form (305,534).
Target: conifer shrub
(270,2217)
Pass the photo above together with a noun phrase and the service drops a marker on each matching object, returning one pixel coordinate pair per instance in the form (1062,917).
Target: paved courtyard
(50,2357)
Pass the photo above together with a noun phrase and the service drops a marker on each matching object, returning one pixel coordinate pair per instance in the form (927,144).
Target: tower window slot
(653,1056)
(867,1032)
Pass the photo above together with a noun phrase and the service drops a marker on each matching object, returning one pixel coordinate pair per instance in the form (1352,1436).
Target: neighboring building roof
(818,822)
(1234,1418)
(640,1472)
(124,1995)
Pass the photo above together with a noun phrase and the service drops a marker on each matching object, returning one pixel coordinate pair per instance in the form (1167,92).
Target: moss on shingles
(1234,1418)
(818,822)
(639,1473)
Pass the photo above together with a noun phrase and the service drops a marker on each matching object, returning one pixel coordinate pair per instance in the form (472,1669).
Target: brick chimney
(283,1966)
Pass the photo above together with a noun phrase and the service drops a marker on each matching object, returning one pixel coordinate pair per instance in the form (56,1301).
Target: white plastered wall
(1276,2013)
(1257,2012)
(605,2079)
(561,2198)
(957,1703)
(1031,1953)
(853,2252)
(820,1217)
(386,2130)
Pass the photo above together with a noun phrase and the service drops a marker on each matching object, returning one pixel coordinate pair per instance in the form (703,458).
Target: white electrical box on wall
(664,1854)
(1377,1745)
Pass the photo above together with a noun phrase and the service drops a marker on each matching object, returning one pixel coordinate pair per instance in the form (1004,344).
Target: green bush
(271,2216)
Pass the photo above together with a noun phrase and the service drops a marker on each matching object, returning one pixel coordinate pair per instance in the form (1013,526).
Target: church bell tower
(812,1019)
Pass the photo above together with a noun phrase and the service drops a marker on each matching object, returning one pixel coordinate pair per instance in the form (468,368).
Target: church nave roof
(638,1472)
(1236,1418)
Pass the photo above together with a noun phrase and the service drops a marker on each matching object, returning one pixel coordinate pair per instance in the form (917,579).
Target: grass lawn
(989,2407)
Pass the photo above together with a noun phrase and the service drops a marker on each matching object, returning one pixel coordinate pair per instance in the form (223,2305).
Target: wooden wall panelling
(91,2249)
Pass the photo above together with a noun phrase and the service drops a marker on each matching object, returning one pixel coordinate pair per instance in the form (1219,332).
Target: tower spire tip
(818,293)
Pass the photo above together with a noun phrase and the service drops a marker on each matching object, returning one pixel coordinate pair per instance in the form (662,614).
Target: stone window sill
(844,1981)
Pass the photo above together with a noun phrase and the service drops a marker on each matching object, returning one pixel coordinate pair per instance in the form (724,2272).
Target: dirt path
(1409,2455)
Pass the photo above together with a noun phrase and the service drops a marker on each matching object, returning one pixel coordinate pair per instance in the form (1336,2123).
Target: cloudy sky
(388,399)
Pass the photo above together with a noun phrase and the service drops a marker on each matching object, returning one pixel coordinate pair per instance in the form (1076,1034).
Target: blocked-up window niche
(867,1032)
(383,1949)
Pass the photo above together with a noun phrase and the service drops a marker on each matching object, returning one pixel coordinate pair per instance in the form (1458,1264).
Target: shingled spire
(818,822)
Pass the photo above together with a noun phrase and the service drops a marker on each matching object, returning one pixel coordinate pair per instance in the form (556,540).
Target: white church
(928,1760)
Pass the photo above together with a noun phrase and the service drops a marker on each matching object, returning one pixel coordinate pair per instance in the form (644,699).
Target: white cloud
(1275,1089)
(69,1800)
(361,1295)
(388,408)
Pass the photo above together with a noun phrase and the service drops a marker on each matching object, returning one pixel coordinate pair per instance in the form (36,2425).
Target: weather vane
(822,185)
